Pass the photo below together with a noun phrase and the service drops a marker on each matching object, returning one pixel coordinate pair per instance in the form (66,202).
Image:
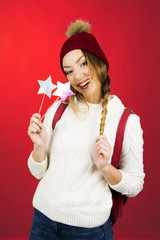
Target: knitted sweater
(72,190)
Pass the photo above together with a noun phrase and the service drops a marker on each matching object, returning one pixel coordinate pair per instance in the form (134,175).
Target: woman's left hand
(102,151)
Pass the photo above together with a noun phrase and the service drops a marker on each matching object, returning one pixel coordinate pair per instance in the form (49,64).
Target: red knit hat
(85,41)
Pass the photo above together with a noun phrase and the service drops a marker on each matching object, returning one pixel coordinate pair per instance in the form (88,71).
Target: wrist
(38,153)
(111,174)
(105,168)
(39,148)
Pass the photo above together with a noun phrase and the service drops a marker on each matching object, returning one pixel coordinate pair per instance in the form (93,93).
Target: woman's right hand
(37,131)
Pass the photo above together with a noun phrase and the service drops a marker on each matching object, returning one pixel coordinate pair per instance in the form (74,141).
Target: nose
(78,73)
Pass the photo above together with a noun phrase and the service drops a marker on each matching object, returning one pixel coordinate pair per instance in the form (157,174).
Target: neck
(97,101)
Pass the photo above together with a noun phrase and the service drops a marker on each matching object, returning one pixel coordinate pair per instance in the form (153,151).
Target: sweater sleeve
(131,162)
(38,170)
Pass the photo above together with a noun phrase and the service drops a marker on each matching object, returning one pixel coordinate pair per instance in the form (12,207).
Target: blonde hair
(93,63)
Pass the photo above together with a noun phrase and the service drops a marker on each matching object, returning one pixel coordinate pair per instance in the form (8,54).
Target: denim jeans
(44,228)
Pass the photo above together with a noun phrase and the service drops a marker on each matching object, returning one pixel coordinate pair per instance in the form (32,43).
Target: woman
(73,199)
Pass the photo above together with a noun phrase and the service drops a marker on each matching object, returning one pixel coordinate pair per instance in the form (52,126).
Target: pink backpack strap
(119,137)
(59,113)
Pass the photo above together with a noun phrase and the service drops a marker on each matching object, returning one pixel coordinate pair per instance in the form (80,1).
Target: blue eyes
(69,72)
(84,63)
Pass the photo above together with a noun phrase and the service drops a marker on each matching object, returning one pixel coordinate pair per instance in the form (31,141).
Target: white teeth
(83,84)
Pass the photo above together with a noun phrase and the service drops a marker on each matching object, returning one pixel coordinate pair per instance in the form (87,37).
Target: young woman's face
(77,73)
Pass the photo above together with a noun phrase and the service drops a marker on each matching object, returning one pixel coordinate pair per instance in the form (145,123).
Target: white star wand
(46,88)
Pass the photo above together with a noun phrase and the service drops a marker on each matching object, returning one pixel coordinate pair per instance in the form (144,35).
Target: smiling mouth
(84,84)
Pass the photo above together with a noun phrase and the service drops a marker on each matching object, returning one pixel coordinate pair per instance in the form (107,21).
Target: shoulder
(116,109)
(133,125)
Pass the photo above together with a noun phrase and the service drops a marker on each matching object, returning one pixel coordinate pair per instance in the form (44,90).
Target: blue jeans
(44,228)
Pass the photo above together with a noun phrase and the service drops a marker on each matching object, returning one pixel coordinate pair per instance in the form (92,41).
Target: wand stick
(41,103)
(49,108)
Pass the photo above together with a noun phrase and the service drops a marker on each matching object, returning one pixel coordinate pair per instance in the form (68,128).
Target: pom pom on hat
(77,27)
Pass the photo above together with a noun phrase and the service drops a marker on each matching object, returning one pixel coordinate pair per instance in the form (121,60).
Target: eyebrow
(76,61)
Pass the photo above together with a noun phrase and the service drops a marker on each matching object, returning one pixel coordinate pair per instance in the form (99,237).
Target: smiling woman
(74,199)
(80,78)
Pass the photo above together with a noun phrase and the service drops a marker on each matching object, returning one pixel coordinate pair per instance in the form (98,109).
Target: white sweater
(72,190)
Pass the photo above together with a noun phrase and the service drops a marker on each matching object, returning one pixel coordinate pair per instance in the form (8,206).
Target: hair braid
(104,110)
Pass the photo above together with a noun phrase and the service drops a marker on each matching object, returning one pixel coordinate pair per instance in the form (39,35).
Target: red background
(31,36)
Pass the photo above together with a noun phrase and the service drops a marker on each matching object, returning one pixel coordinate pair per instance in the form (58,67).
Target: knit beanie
(85,41)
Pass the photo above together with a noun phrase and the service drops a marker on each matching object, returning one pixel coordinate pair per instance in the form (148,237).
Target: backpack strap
(119,137)
(118,199)
(59,113)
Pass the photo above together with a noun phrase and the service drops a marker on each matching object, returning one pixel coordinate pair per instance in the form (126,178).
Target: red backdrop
(32,33)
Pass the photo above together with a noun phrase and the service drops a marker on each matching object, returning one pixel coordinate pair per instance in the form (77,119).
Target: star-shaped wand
(63,91)
(46,88)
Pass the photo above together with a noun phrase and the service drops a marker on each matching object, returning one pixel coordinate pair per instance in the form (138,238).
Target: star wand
(46,88)
(63,91)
